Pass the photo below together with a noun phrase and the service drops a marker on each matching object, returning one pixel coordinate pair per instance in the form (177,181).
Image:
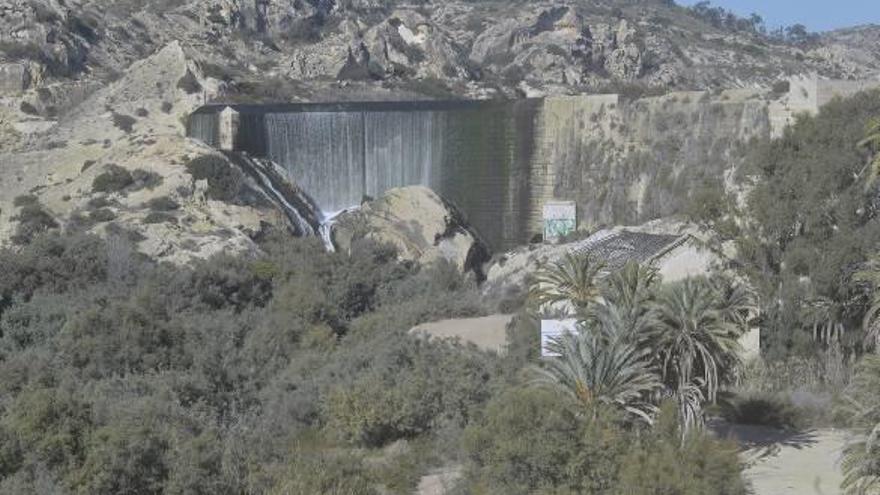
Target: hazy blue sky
(817,15)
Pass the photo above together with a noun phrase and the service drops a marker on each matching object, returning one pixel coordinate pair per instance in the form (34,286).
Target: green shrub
(162,203)
(159,217)
(530,442)
(661,463)
(189,83)
(32,220)
(763,409)
(124,457)
(436,385)
(145,179)
(25,200)
(224,181)
(102,215)
(113,179)
(125,123)
(324,472)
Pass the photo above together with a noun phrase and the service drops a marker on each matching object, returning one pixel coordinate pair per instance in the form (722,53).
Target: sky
(817,15)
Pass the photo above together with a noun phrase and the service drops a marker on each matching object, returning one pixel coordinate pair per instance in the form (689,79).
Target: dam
(476,154)
(622,161)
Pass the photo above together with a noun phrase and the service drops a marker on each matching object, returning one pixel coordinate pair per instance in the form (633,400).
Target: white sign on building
(560,219)
(553,329)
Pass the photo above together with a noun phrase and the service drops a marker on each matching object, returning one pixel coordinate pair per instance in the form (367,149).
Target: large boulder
(419,223)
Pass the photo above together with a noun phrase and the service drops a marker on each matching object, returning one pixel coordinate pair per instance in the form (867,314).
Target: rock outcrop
(121,165)
(419,224)
(365,48)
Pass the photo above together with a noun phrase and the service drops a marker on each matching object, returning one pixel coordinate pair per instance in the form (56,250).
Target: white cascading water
(291,211)
(326,229)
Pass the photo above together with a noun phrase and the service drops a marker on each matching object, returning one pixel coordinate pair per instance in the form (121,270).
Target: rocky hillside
(120,166)
(93,94)
(323,49)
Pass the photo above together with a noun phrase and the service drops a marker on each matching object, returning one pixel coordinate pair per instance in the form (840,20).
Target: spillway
(475,154)
(622,161)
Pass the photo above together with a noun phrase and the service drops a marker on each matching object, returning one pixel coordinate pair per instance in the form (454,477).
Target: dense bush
(124,376)
(661,462)
(224,180)
(813,222)
(763,409)
(32,220)
(113,179)
(125,123)
(529,441)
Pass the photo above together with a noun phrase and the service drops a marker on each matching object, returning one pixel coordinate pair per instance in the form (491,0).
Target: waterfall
(299,209)
(326,228)
(475,154)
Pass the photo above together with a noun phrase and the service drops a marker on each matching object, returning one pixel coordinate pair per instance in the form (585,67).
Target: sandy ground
(790,463)
(488,333)
(440,481)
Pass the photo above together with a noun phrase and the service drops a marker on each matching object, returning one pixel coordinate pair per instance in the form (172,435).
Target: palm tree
(861,462)
(627,302)
(697,334)
(870,276)
(872,142)
(570,280)
(596,369)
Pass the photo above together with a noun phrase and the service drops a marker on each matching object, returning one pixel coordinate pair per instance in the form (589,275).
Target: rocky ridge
(120,164)
(358,49)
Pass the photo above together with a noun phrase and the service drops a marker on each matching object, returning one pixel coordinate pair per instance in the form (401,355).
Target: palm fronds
(872,142)
(861,462)
(694,336)
(595,370)
(870,276)
(570,280)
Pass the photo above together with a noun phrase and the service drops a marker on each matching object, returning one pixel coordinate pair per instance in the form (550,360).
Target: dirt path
(488,333)
(789,463)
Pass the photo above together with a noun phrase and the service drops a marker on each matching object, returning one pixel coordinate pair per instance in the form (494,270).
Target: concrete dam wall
(499,162)
(476,154)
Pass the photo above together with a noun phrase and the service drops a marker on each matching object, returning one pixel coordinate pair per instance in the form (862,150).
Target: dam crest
(622,161)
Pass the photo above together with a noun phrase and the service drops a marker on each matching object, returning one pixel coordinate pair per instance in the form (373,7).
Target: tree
(528,441)
(570,280)
(870,276)
(697,336)
(872,143)
(598,369)
(627,301)
(861,462)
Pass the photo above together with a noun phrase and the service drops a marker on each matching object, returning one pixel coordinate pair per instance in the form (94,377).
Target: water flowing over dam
(476,154)
(499,162)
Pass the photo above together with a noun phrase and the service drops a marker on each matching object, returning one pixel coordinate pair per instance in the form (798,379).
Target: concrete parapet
(808,94)
(14,78)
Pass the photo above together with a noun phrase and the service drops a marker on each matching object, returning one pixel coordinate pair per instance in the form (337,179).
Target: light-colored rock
(59,166)
(419,223)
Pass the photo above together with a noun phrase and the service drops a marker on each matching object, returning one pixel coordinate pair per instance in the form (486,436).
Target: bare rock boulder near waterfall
(420,224)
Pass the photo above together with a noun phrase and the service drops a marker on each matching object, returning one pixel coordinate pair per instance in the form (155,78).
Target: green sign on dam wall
(476,154)
(500,162)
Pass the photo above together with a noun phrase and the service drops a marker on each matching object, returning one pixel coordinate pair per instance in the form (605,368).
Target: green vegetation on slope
(812,223)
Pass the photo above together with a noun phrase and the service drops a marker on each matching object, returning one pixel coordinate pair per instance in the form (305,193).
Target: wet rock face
(419,223)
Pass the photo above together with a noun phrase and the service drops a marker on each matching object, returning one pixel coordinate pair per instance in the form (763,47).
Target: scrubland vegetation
(291,370)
